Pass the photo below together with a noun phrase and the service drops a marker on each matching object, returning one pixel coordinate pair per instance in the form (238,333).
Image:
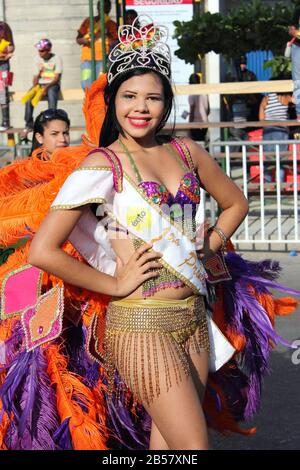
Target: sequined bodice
(188,191)
(182,206)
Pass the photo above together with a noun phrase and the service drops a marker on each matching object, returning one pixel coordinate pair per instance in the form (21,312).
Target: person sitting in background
(242,107)
(84,40)
(7,48)
(274,107)
(47,73)
(244,74)
(199,110)
(51,131)
(130,16)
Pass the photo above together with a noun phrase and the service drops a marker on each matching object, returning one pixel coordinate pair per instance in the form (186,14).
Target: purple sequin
(188,191)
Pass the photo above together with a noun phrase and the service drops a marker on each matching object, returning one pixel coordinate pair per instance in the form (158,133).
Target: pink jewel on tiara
(142,44)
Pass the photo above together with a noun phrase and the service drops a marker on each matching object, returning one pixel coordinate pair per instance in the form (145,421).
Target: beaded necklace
(131,161)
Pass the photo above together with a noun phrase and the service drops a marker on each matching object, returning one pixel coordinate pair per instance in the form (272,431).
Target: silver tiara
(141,45)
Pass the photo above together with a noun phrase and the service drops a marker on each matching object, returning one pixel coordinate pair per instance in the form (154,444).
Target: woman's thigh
(199,367)
(178,415)
(162,376)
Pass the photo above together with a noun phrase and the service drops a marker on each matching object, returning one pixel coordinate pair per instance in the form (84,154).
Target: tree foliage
(280,66)
(251,26)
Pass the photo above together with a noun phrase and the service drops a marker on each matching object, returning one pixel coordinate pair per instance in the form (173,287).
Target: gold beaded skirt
(149,342)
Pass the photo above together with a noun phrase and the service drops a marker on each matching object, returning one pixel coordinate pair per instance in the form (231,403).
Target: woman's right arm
(46,253)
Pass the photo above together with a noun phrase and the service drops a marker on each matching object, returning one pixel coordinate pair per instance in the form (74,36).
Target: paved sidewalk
(278,422)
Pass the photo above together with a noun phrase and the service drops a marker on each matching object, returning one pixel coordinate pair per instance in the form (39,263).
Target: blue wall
(255,62)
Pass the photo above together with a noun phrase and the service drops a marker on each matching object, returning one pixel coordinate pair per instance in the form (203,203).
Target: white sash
(146,221)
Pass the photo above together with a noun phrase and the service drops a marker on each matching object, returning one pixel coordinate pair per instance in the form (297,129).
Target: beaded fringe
(150,346)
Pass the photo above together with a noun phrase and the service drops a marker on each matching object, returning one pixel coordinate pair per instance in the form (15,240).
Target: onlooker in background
(130,16)
(199,110)
(84,40)
(47,73)
(7,48)
(245,106)
(51,131)
(275,107)
(292,50)
(244,74)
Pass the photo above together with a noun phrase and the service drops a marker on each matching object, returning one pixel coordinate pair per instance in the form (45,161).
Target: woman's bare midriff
(124,250)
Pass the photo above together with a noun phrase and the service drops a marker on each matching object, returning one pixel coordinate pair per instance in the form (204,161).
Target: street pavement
(278,421)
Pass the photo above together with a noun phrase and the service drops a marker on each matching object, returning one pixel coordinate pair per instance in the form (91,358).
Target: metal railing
(9,153)
(271,183)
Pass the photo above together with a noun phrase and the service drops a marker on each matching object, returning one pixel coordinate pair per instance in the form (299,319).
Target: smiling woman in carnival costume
(108,337)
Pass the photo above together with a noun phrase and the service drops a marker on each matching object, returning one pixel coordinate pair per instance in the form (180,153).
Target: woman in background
(199,111)
(51,131)
(275,107)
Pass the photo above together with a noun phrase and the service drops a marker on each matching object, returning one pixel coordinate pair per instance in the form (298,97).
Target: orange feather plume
(94,109)
(221,420)
(16,259)
(238,341)
(28,187)
(86,432)
(285,306)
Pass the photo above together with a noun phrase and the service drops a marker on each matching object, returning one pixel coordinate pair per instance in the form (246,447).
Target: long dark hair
(194,79)
(111,128)
(41,121)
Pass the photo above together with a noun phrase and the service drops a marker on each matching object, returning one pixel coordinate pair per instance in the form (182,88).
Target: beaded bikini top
(188,193)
